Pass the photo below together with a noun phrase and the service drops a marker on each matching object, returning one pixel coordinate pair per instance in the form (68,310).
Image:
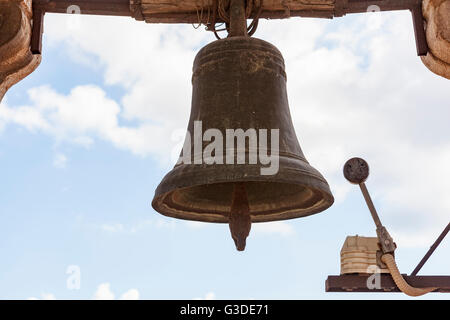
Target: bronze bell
(240,83)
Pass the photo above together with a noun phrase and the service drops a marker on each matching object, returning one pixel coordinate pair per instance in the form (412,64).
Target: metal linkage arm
(356,171)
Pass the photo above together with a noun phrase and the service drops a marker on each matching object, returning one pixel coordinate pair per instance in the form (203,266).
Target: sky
(86,139)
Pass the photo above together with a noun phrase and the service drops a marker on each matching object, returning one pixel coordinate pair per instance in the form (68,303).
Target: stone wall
(437,15)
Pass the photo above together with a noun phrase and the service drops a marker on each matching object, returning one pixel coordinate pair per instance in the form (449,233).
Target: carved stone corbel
(16,59)
(437,16)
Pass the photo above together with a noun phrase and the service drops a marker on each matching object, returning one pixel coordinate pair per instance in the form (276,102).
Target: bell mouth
(268,201)
(204,193)
(240,83)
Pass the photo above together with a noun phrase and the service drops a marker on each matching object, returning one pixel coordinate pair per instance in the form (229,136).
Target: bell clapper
(240,221)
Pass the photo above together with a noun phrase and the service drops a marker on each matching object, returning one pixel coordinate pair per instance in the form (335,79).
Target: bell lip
(161,208)
(316,183)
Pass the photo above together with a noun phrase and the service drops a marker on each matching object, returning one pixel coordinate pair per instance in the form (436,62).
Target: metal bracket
(132,8)
(419,29)
(98,7)
(343,7)
(37,31)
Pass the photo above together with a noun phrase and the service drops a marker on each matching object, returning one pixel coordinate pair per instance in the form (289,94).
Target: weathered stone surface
(16,60)
(437,16)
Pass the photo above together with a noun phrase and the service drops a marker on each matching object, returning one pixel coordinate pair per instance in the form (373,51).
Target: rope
(400,282)
(224,8)
(221,8)
(254,25)
(199,17)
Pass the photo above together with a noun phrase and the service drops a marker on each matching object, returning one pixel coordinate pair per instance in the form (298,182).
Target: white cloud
(48,296)
(25,116)
(82,116)
(103,292)
(131,294)
(44,296)
(355,89)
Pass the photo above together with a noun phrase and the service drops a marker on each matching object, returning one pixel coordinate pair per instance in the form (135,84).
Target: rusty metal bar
(343,7)
(431,250)
(358,283)
(37,30)
(360,6)
(419,30)
(370,205)
(98,7)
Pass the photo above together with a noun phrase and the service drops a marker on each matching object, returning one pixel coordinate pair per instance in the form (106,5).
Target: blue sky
(85,140)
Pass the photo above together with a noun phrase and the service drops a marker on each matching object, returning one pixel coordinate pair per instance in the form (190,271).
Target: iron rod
(238,22)
(419,31)
(370,204)
(431,250)
(36,31)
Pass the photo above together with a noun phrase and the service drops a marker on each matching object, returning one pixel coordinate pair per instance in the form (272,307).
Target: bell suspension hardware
(218,14)
(343,7)
(239,92)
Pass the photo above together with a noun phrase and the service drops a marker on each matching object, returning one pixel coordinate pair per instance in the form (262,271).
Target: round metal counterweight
(356,170)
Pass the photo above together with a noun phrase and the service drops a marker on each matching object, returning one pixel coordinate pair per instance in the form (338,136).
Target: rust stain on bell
(240,83)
